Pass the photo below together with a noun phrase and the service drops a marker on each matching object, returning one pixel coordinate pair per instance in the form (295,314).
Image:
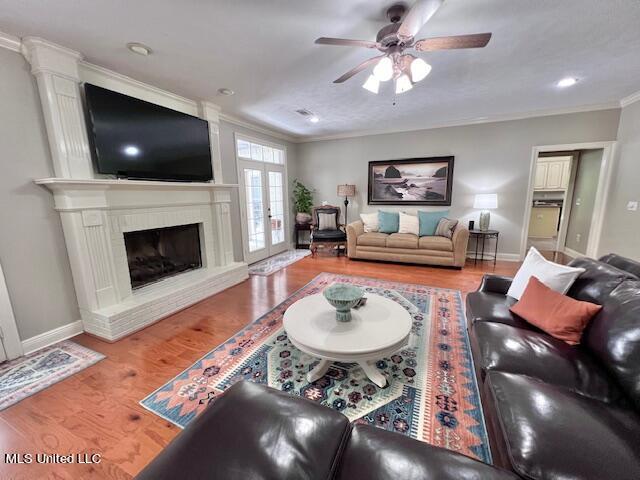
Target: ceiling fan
(393,39)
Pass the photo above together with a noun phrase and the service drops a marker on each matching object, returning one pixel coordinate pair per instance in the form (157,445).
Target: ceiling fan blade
(475,40)
(419,14)
(358,69)
(343,42)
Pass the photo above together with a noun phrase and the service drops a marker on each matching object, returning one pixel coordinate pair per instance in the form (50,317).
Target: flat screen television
(136,139)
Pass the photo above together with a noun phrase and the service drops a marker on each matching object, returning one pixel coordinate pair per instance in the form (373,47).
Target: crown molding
(470,121)
(260,129)
(10,42)
(628,100)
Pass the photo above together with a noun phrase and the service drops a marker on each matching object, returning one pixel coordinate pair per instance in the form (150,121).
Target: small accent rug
(24,376)
(431,393)
(272,264)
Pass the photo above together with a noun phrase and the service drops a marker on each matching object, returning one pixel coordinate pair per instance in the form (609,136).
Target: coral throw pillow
(560,316)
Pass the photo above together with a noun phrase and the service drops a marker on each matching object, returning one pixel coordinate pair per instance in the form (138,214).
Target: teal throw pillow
(429,222)
(388,222)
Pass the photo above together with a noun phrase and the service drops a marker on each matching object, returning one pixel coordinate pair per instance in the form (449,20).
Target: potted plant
(303,201)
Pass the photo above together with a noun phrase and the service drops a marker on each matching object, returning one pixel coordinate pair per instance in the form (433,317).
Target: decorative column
(211,113)
(56,71)
(222,219)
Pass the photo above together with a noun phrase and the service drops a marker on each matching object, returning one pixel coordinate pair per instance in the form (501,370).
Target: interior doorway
(566,199)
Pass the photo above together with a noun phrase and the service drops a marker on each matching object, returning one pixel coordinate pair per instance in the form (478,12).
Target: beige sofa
(407,247)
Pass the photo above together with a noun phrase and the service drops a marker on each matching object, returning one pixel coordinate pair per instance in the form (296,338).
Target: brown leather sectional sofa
(406,247)
(254,432)
(556,411)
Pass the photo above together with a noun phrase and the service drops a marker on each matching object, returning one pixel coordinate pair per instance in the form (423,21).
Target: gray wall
(230,171)
(584,199)
(32,249)
(491,157)
(621,233)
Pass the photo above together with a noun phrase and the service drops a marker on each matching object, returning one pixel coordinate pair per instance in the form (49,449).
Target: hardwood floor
(97,410)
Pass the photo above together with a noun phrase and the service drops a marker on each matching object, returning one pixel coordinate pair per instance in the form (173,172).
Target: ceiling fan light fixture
(419,69)
(383,70)
(372,84)
(403,83)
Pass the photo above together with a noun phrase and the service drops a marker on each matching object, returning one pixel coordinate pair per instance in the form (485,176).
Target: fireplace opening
(162,252)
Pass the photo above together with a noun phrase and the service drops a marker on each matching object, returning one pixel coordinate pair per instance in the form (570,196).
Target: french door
(264,203)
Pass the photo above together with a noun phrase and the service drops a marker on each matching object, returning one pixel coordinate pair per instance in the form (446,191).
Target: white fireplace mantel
(96,213)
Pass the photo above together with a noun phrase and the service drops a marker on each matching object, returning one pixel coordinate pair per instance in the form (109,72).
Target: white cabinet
(552,173)
(541,175)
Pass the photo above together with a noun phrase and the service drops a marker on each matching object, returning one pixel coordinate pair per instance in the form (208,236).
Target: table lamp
(346,191)
(484,202)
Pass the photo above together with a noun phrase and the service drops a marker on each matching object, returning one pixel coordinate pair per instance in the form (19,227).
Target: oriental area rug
(277,262)
(431,391)
(24,376)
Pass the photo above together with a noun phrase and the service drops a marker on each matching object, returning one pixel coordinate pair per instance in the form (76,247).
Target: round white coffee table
(376,330)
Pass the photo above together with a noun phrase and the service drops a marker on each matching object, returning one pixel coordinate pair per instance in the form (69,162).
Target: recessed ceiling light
(226,92)
(139,48)
(567,82)
(314,119)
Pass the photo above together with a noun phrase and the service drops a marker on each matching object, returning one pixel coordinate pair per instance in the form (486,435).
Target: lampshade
(403,84)
(346,190)
(383,71)
(485,201)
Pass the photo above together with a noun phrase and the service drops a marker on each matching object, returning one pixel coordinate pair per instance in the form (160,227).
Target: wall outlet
(632,206)
(578,201)
(578,237)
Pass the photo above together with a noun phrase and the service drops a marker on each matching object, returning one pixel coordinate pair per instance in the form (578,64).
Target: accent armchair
(326,228)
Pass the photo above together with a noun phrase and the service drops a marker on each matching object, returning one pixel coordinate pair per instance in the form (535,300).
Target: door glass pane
(244,149)
(276,204)
(255,209)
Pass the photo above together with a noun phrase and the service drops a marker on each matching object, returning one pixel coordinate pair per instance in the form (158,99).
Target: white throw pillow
(409,224)
(370,221)
(556,277)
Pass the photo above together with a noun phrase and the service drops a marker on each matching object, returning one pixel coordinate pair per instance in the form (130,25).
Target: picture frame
(411,181)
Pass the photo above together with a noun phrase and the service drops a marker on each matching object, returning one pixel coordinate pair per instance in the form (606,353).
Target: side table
(481,236)
(301,227)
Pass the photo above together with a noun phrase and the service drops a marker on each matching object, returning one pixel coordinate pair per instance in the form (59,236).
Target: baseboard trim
(505,257)
(573,253)
(56,335)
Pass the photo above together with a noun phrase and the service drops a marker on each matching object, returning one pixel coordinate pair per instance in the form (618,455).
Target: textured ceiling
(264,51)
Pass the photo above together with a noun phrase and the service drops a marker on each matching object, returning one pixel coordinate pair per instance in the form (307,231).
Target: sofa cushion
(552,433)
(402,240)
(614,337)
(254,432)
(373,239)
(429,221)
(622,263)
(375,454)
(388,222)
(553,275)
(560,316)
(435,243)
(509,349)
(494,307)
(598,280)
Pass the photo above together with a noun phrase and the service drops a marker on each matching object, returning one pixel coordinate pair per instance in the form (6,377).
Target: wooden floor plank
(97,410)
